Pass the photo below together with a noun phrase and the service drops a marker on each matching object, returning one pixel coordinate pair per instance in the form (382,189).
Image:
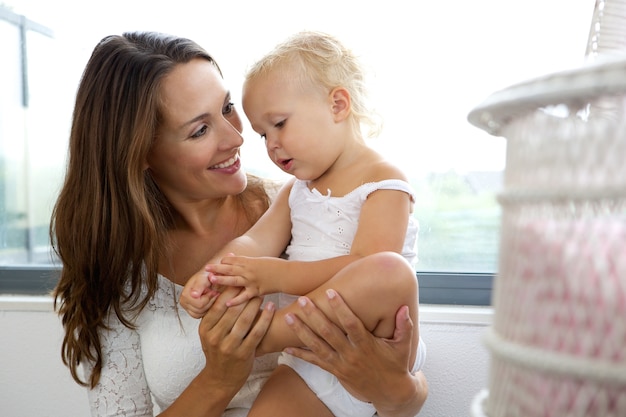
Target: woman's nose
(231,135)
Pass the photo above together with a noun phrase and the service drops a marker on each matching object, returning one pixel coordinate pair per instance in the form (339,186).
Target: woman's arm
(122,387)
(373,367)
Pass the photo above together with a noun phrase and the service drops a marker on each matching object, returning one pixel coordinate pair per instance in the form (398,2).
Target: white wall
(34,382)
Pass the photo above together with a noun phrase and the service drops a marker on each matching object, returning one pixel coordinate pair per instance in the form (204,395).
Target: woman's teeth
(226,164)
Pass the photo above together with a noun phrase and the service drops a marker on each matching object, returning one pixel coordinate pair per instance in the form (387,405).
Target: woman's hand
(229,338)
(371,368)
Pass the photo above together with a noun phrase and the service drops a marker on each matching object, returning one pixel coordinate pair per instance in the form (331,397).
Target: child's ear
(341,103)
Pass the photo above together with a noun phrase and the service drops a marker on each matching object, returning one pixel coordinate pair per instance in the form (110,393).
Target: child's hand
(252,274)
(198,295)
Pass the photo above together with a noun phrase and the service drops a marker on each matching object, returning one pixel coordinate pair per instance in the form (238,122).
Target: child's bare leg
(286,394)
(373,287)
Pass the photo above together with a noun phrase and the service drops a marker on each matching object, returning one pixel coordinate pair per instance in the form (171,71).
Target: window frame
(24,24)
(442,288)
(28,279)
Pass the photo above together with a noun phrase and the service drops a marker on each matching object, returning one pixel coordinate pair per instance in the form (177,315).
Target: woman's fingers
(237,327)
(344,349)
(260,325)
(218,309)
(350,323)
(229,337)
(321,336)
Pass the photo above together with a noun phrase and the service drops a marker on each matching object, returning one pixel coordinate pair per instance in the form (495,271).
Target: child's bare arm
(268,237)
(383,222)
(266,275)
(382,227)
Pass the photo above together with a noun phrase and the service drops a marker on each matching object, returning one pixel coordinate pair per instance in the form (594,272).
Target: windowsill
(429,313)
(26,303)
(471,315)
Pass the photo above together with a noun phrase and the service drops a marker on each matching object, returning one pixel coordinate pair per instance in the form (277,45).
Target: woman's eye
(200,132)
(263,136)
(280,124)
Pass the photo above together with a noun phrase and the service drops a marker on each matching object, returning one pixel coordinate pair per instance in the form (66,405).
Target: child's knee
(394,272)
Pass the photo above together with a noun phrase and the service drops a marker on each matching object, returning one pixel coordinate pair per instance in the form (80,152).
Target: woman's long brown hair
(109,225)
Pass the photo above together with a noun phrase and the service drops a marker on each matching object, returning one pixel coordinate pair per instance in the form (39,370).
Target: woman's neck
(199,232)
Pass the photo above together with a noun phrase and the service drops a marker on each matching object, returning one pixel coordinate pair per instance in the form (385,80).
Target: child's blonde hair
(323,61)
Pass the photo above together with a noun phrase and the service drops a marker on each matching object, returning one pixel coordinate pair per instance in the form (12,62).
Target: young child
(345,219)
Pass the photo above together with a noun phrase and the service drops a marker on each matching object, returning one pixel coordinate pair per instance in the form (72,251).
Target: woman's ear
(341,103)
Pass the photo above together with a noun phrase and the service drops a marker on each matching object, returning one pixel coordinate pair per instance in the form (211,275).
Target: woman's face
(196,153)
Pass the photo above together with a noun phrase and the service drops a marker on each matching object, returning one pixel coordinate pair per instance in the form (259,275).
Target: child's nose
(272,142)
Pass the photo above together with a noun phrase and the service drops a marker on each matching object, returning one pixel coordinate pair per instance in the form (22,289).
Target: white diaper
(330,391)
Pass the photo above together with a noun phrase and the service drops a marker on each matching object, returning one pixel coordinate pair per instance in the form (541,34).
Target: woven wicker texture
(558,341)
(560,297)
(549,155)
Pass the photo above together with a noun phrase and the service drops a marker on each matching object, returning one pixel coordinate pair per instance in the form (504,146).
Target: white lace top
(158,360)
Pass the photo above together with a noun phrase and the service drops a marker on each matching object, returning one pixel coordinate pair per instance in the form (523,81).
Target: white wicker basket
(479,404)
(558,342)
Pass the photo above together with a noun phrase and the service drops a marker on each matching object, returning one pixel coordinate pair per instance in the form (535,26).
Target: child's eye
(228,108)
(263,136)
(280,124)
(200,132)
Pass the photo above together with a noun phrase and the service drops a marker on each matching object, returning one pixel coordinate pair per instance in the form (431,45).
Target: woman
(154,188)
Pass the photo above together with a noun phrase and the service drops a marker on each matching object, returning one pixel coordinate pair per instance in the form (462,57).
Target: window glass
(46,142)
(431,63)
(13,187)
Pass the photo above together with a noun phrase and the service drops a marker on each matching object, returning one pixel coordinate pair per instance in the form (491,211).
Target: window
(431,63)
(30,163)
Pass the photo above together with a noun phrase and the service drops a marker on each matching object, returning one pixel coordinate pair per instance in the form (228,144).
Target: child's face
(296,121)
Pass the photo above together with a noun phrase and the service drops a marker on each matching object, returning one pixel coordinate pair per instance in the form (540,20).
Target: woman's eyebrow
(227,99)
(195,119)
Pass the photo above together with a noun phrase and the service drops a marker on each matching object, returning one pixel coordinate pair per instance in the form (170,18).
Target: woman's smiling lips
(229,166)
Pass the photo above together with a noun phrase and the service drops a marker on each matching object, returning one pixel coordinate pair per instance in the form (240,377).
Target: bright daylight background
(431,63)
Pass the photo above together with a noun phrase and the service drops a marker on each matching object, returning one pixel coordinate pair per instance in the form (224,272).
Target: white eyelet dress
(323,227)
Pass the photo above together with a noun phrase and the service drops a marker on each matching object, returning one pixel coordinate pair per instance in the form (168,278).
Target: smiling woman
(185,147)
(424,81)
